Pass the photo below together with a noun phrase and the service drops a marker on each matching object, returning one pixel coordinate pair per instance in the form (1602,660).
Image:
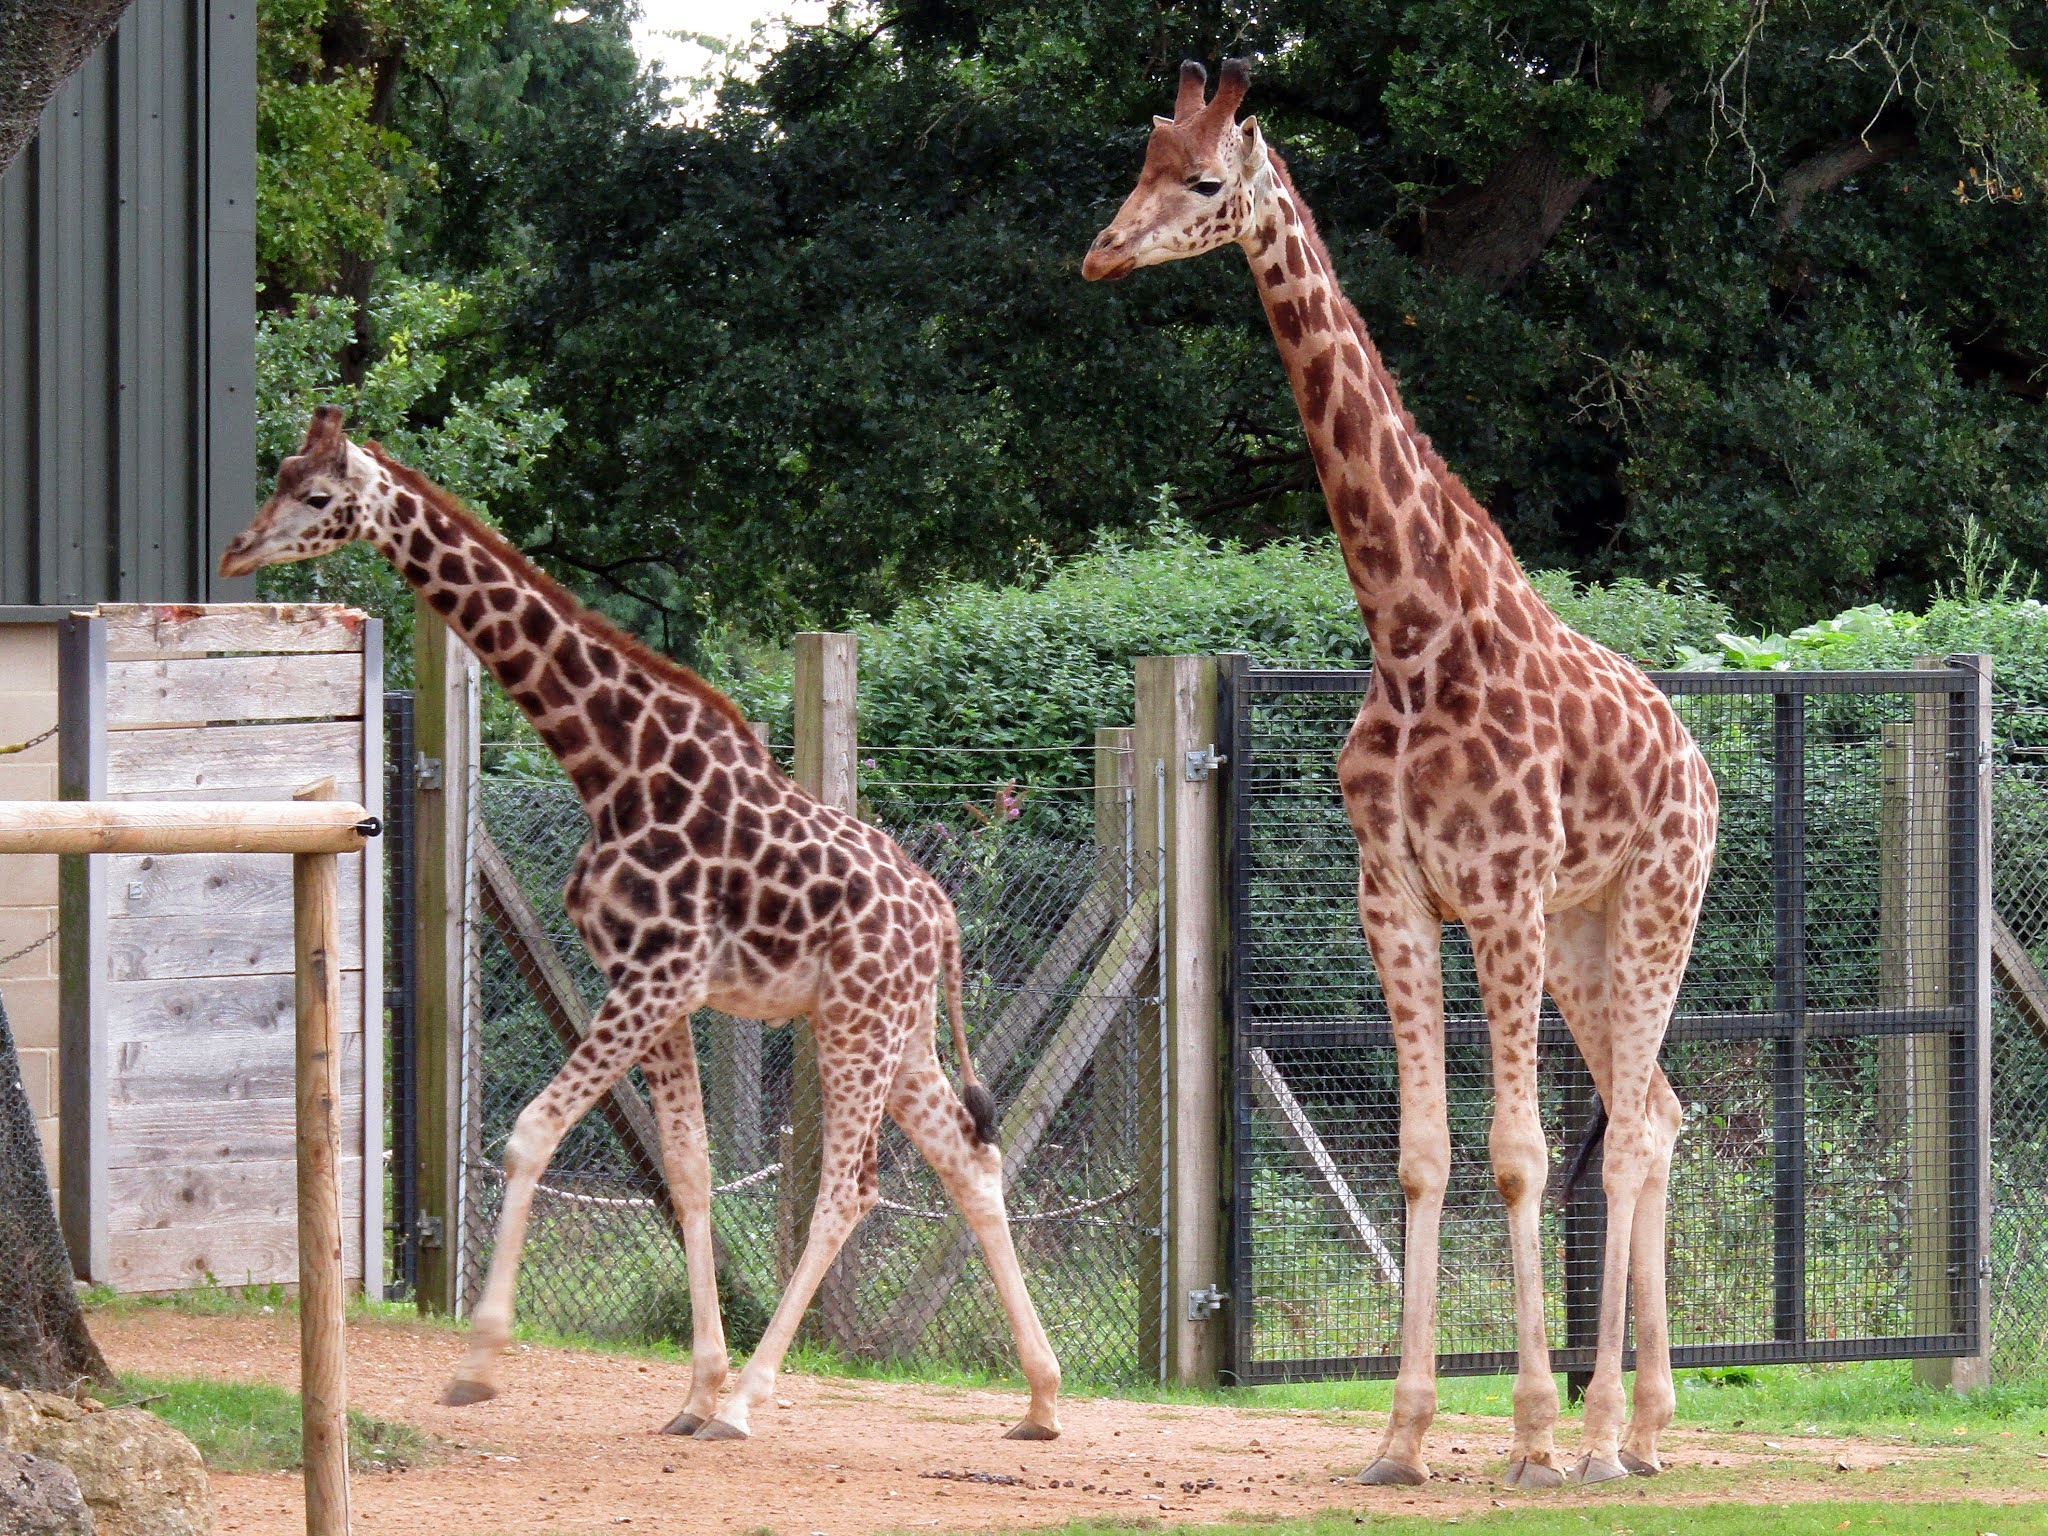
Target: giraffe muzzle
(1107,260)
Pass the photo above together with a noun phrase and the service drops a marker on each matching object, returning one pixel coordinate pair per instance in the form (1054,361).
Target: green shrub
(1043,665)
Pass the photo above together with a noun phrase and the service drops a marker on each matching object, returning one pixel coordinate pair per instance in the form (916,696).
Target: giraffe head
(1194,193)
(321,502)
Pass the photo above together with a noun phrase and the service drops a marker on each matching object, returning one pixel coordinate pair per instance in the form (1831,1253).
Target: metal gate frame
(1789,1024)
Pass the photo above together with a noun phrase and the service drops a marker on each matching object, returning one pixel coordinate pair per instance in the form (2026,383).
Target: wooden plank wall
(28,885)
(187,1004)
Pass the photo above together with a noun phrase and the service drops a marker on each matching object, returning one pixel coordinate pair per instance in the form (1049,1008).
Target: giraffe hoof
(1030,1431)
(462,1392)
(1389,1473)
(1639,1467)
(1528,1476)
(1597,1469)
(718,1429)
(684,1423)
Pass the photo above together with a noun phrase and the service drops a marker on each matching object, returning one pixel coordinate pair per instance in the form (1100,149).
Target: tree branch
(1828,169)
(41,43)
(1493,233)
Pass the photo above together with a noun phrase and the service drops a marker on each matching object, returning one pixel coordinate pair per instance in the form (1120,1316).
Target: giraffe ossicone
(1504,772)
(709,879)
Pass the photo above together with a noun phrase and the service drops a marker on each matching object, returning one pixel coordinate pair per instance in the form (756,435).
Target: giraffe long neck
(599,700)
(1423,556)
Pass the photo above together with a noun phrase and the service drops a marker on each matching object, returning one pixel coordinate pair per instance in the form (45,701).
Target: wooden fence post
(1177,715)
(1918,864)
(445,735)
(323,1363)
(825,705)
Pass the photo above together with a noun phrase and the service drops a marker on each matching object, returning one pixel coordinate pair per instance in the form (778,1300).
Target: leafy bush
(1044,664)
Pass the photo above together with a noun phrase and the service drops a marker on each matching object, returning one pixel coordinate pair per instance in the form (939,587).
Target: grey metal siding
(127,317)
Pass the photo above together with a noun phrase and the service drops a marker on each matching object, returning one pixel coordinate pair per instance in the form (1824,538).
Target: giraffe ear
(1251,147)
(1161,122)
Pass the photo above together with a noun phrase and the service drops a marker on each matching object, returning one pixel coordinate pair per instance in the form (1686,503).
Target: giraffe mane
(565,603)
(1431,459)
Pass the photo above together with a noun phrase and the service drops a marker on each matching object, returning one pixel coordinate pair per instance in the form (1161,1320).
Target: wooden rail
(314,829)
(172,826)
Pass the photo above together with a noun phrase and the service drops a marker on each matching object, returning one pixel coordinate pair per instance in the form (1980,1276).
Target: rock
(40,1498)
(139,1476)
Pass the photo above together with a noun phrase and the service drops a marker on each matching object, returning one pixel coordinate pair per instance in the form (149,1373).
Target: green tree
(1700,286)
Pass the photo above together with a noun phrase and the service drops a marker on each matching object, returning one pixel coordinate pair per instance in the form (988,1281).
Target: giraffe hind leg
(947,1134)
(673,1084)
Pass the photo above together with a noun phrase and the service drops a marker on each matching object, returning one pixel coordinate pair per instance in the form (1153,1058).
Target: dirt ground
(567,1449)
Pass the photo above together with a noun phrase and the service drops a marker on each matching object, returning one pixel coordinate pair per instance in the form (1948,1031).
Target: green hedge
(1043,665)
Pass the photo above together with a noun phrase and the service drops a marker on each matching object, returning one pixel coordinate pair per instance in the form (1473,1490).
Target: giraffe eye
(319,501)
(1206,186)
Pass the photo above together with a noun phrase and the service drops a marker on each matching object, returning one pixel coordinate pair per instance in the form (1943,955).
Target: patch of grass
(243,1426)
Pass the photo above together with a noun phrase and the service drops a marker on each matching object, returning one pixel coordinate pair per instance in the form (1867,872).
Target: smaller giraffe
(709,879)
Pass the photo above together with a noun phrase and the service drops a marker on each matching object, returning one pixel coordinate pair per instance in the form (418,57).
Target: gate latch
(429,1231)
(427,770)
(1206,1303)
(1203,761)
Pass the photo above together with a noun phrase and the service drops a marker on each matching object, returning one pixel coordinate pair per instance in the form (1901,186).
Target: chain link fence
(1057,911)
(2019,1041)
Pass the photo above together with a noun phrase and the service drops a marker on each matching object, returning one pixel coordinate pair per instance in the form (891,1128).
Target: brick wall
(28,886)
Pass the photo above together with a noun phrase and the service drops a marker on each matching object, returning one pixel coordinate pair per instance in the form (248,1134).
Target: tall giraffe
(709,879)
(1504,772)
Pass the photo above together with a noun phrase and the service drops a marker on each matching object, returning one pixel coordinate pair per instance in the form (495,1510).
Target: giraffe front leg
(673,1084)
(1407,950)
(616,1038)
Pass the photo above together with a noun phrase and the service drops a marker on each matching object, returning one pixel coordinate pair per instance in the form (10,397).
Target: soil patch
(568,1450)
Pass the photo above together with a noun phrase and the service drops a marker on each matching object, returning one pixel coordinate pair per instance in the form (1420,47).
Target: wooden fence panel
(179,1013)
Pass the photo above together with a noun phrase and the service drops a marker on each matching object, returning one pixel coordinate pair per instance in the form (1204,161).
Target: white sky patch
(666,31)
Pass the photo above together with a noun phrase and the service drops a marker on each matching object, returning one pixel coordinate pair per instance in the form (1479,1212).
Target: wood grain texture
(150,1199)
(150,631)
(244,1250)
(200,690)
(199,885)
(183,759)
(226,944)
(187,1134)
(197,1008)
(216,1070)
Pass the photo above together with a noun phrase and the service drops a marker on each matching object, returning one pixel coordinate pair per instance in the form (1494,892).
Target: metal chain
(28,948)
(33,741)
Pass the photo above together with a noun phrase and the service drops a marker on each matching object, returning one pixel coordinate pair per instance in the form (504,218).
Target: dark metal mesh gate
(1826,1195)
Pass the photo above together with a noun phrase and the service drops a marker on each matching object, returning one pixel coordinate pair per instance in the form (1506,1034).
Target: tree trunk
(41,43)
(43,1339)
(1493,233)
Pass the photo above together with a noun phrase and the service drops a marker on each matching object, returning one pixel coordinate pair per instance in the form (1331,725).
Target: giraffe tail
(981,1104)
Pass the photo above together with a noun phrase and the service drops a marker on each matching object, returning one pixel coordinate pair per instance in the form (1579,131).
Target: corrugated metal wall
(127,317)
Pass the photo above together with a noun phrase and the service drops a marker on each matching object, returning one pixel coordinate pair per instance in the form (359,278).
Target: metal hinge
(1983,1266)
(1206,1303)
(427,770)
(1203,761)
(430,1231)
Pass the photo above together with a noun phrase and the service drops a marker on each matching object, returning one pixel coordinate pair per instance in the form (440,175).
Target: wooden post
(826,691)
(1918,863)
(323,1382)
(445,735)
(1177,698)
